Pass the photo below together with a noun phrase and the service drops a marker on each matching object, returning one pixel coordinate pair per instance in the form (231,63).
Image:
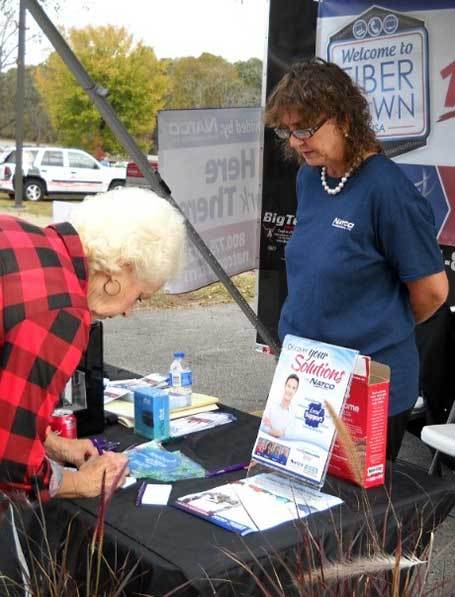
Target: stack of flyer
(119,398)
(294,442)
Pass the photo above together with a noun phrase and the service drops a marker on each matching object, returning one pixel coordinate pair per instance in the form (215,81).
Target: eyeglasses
(300,134)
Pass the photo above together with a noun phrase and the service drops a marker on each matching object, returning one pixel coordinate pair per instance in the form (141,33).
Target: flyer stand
(292,450)
(297,431)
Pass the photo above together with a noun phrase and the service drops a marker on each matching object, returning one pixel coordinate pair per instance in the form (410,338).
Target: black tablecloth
(172,548)
(167,548)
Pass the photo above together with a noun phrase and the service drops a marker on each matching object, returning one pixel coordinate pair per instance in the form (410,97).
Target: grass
(214,294)
(33,208)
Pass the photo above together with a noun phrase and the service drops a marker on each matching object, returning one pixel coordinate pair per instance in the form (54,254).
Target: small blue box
(151,412)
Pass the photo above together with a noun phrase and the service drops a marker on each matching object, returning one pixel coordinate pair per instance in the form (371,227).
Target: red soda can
(63,423)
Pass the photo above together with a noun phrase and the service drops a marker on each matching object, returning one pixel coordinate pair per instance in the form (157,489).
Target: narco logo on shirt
(339,223)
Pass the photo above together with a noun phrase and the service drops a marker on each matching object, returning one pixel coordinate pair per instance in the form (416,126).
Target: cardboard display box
(365,415)
(151,412)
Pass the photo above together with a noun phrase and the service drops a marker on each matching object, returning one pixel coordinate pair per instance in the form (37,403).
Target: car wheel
(33,190)
(116,184)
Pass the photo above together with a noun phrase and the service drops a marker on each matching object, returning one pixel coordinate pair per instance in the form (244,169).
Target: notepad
(155,495)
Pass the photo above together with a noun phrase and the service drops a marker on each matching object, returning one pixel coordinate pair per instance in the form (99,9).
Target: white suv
(58,171)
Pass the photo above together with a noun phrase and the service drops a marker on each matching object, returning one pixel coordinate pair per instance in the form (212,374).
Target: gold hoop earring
(111,281)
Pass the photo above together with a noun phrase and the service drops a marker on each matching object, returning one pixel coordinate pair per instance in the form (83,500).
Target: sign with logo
(210,160)
(314,415)
(401,55)
(386,54)
(411,91)
(296,423)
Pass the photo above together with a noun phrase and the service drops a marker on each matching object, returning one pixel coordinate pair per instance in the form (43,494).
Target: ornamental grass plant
(364,564)
(49,571)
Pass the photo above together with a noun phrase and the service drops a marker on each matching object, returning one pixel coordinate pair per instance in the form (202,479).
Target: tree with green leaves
(250,72)
(135,80)
(37,127)
(9,30)
(208,82)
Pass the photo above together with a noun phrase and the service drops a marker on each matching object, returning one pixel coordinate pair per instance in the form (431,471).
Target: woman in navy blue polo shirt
(363,264)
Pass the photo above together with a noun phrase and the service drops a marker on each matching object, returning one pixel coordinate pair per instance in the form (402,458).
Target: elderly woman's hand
(71,451)
(79,451)
(89,479)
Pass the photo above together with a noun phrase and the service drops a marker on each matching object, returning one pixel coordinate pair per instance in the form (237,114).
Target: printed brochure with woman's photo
(297,432)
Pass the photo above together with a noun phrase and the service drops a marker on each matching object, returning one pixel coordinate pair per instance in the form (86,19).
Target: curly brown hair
(318,89)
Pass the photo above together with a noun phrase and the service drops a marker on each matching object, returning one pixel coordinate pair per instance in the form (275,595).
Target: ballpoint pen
(140,493)
(227,469)
(103,445)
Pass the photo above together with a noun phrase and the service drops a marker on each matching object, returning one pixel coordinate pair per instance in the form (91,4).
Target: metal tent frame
(98,96)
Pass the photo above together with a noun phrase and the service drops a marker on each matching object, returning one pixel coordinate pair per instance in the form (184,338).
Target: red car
(134,177)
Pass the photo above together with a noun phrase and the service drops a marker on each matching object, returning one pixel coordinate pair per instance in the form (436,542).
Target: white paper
(112,393)
(129,481)
(199,422)
(152,380)
(156,494)
(257,503)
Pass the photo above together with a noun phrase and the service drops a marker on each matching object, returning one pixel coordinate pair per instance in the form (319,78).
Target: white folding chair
(441,438)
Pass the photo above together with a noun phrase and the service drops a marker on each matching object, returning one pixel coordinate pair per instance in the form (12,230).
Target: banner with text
(210,161)
(402,55)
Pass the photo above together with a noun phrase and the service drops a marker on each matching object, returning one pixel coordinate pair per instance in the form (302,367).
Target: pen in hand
(97,443)
(103,445)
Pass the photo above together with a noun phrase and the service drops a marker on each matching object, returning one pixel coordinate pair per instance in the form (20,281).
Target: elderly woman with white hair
(119,248)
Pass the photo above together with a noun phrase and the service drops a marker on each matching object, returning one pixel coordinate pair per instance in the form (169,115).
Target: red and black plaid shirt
(44,329)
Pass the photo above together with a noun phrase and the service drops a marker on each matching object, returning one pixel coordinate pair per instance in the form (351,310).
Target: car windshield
(28,156)
(4,153)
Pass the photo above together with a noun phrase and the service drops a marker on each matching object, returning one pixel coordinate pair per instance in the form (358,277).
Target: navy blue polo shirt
(347,262)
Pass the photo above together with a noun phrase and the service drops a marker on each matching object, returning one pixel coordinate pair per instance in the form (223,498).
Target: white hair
(131,226)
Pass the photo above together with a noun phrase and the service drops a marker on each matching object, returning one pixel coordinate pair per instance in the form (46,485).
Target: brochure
(150,460)
(297,432)
(152,380)
(256,503)
(112,393)
(198,422)
(124,408)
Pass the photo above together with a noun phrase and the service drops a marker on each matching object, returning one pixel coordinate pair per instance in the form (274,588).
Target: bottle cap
(179,355)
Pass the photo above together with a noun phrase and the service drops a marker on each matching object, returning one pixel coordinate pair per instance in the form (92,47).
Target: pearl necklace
(339,186)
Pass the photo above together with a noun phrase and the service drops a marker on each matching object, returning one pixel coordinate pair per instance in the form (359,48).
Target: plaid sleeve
(39,355)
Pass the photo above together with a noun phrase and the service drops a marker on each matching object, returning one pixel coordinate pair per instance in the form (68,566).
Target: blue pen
(103,445)
(98,443)
(110,446)
(140,493)
(227,469)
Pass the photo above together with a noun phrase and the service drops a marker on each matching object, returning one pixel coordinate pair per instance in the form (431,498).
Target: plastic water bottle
(180,382)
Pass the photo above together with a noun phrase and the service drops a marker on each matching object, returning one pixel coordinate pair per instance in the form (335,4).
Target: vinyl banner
(292,33)
(210,161)
(401,53)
